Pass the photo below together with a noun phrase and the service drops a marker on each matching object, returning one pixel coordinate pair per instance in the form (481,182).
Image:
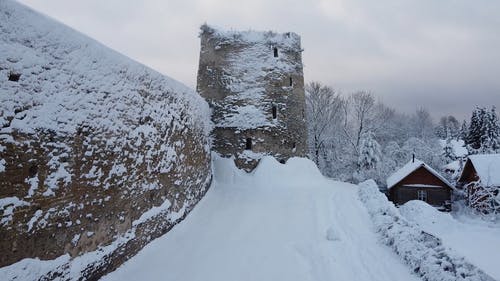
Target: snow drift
(281,222)
(476,239)
(423,252)
(98,153)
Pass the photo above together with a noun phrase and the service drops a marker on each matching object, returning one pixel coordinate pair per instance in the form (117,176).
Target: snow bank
(423,213)
(296,172)
(419,249)
(470,235)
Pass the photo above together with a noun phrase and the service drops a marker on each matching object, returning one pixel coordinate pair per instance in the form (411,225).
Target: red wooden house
(417,181)
(480,178)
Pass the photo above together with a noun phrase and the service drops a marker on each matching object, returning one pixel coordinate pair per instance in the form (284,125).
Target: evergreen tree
(463,132)
(490,132)
(448,153)
(473,139)
(369,152)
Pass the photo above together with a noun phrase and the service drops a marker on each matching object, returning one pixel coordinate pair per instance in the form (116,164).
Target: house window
(248,144)
(422,195)
(275,112)
(275,52)
(291,82)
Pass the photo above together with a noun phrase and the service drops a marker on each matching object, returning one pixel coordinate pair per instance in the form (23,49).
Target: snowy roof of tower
(288,39)
(409,168)
(487,167)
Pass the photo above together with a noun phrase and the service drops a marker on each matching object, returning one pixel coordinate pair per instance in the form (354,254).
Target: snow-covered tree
(464,129)
(428,151)
(484,132)
(423,128)
(359,112)
(448,152)
(369,152)
(448,127)
(490,138)
(324,115)
(483,198)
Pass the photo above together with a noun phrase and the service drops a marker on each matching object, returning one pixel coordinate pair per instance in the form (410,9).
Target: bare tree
(323,113)
(423,126)
(360,109)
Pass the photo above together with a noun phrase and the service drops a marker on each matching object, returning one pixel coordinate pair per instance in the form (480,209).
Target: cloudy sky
(442,55)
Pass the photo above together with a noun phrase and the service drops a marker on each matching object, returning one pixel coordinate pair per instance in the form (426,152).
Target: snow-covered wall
(254,83)
(423,252)
(94,147)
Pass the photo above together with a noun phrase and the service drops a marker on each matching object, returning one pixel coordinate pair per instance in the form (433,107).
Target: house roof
(409,168)
(487,167)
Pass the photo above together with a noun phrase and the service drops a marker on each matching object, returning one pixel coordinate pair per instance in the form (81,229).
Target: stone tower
(254,84)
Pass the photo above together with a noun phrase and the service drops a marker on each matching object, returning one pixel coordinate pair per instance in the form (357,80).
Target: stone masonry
(254,84)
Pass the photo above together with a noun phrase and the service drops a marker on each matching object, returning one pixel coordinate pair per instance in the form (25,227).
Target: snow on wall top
(248,73)
(409,168)
(288,39)
(67,79)
(487,167)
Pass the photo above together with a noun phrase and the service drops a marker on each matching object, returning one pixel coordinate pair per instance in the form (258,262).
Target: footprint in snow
(332,234)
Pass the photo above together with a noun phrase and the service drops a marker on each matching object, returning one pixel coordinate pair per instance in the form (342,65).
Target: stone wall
(243,80)
(98,154)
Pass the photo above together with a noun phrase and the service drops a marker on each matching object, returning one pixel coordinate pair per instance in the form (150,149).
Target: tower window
(248,144)
(291,82)
(275,112)
(275,52)
(14,76)
(294,145)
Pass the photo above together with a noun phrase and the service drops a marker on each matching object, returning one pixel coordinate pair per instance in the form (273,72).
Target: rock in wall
(98,154)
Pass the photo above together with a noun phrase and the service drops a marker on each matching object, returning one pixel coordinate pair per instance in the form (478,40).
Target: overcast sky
(443,55)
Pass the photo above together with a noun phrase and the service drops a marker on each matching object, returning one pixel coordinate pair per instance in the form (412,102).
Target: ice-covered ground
(282,222)
(478,241)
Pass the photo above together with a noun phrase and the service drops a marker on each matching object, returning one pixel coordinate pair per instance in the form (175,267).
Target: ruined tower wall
(242,79)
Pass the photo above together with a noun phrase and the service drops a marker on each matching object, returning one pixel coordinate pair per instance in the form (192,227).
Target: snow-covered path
(283,222)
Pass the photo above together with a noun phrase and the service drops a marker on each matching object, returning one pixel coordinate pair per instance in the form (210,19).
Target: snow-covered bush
(484,198)
(423,252)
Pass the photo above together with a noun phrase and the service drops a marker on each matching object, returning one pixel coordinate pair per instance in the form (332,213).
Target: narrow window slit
(14,76)
(248,144)
(291,82)
(275,52)
(275,112)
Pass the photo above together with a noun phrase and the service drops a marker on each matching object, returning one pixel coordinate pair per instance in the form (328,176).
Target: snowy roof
(287,39)
(487,167)
(409,168)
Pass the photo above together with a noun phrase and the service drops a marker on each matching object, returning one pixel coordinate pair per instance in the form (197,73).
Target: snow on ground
(478,241)
(422,251)
(282,222)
